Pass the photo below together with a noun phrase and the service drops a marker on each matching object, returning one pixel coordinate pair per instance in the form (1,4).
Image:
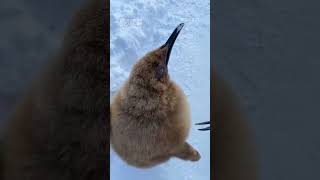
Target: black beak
(170,42)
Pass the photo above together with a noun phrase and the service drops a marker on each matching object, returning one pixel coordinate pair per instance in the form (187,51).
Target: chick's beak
(170,42)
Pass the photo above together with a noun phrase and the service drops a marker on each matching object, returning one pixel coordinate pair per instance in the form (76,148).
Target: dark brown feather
(61,129)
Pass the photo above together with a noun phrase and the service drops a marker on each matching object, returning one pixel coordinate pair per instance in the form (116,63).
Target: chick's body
(150,127)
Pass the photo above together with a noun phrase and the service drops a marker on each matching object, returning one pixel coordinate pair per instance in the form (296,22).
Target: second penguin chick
(150,117)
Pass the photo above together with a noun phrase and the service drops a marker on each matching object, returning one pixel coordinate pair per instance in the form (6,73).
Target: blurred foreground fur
(60,130)
(234,147)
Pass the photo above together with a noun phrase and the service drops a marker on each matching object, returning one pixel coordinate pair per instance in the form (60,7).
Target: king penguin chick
(60,130)
(150,116)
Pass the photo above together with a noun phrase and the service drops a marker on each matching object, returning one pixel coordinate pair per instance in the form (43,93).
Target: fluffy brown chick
(150,117)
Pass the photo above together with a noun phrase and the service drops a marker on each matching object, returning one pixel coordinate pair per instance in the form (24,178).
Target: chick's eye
(160,72)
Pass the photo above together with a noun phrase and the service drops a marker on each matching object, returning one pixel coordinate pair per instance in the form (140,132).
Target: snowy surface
(140,26)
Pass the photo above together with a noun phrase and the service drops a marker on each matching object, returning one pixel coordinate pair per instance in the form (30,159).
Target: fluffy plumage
(150,117)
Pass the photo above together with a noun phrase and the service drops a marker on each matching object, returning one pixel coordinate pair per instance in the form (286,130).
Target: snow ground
(140,26)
